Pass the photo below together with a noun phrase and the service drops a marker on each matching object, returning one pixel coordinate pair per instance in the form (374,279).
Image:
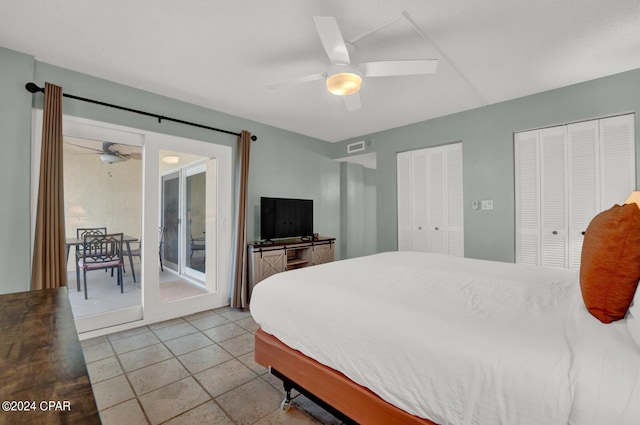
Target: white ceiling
(221,53)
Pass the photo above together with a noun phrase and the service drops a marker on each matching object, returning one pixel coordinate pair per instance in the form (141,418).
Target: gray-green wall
(282,163)
(15,171)
(487,136)
(357,210)
(291,165)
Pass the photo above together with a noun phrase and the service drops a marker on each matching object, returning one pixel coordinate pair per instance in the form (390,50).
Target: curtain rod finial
(33,88)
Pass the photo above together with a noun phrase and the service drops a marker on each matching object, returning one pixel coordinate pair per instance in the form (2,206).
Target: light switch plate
(487,204)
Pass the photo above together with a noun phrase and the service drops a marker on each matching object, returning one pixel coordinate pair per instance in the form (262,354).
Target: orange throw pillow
(610,263)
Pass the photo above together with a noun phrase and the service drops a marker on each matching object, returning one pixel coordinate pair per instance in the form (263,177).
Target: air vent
(356,147)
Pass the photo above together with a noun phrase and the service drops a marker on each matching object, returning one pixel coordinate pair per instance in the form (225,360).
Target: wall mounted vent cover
(356,147)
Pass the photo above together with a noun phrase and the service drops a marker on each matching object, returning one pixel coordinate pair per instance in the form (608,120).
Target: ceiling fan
(345,78)
(112,152)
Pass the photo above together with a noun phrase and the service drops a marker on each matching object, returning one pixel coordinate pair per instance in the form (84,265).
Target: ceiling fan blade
(352,102)
(400,67)
(296,80)
(332,40)
(84,147)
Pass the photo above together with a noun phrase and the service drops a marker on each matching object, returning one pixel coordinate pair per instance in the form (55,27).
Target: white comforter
(457,341)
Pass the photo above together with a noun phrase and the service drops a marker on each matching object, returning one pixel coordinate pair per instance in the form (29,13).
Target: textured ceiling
(221,53)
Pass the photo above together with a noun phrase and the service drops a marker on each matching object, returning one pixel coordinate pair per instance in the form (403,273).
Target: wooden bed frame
(331,389)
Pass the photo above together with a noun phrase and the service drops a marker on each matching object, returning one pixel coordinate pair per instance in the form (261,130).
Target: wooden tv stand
(266,259)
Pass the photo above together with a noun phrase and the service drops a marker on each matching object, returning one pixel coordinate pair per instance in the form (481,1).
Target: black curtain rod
(33,88)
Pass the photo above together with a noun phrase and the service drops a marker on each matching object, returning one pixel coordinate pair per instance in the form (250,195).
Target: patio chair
(101,252)
(197,244)
(137,252)
(80,233)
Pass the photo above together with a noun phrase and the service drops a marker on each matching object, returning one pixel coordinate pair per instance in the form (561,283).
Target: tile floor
(195,369)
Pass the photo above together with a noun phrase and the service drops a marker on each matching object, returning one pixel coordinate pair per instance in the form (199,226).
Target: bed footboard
(334,390)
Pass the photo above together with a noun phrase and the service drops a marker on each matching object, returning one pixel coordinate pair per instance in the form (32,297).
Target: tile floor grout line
(191,375)
(255,375)
(126,376)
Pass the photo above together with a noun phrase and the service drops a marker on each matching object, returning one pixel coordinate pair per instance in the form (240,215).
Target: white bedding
(457,341)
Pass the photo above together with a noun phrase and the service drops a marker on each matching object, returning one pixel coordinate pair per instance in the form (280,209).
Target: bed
(419,338)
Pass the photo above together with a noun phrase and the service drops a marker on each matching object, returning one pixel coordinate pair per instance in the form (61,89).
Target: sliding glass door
(186,201)
(194,207)
(170,219)
(170,196)
(196,215)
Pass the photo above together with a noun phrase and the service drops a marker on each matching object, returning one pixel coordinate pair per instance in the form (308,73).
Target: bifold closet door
(618,159)
(455,200)
(413,204)
(527,182)
(420,200)
(404,190)
(430,200)
(437,202)
(553,208)
(584,184)
(565,176)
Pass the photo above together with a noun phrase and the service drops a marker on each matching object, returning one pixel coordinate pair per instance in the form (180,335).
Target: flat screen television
(285,218)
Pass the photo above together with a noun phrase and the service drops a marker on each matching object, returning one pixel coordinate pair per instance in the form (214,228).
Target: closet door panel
(405,236)
(554,197)
(436,207)
(420,178)
(527,174)
(455,202)
(584,185)
(617,166)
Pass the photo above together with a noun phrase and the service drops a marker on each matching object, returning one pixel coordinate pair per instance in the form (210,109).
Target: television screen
(285,218)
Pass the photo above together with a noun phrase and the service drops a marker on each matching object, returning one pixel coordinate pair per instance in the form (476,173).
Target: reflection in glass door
(188,221)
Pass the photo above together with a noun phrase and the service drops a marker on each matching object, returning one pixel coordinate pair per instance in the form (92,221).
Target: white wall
(99,194)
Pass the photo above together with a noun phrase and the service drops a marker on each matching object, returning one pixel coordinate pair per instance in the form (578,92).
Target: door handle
(555,232)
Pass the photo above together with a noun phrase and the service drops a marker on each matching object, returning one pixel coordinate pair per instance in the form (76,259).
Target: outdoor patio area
(104,294)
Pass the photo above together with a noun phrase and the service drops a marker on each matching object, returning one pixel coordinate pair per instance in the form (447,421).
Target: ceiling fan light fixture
(110,158)
(344,83)
(170,159)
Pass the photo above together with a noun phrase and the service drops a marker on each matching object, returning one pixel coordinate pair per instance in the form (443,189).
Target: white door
(584,185)
(527,182)
(420,203)
(617,164)
(554,197)
(437,200)
(404,190)
(455,201)
(430,200)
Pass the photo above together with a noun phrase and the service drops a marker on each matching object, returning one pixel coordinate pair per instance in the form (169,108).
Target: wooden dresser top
(41,360)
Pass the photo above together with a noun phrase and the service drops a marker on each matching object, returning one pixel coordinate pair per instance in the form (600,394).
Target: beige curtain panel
(240,285)
(49,259)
